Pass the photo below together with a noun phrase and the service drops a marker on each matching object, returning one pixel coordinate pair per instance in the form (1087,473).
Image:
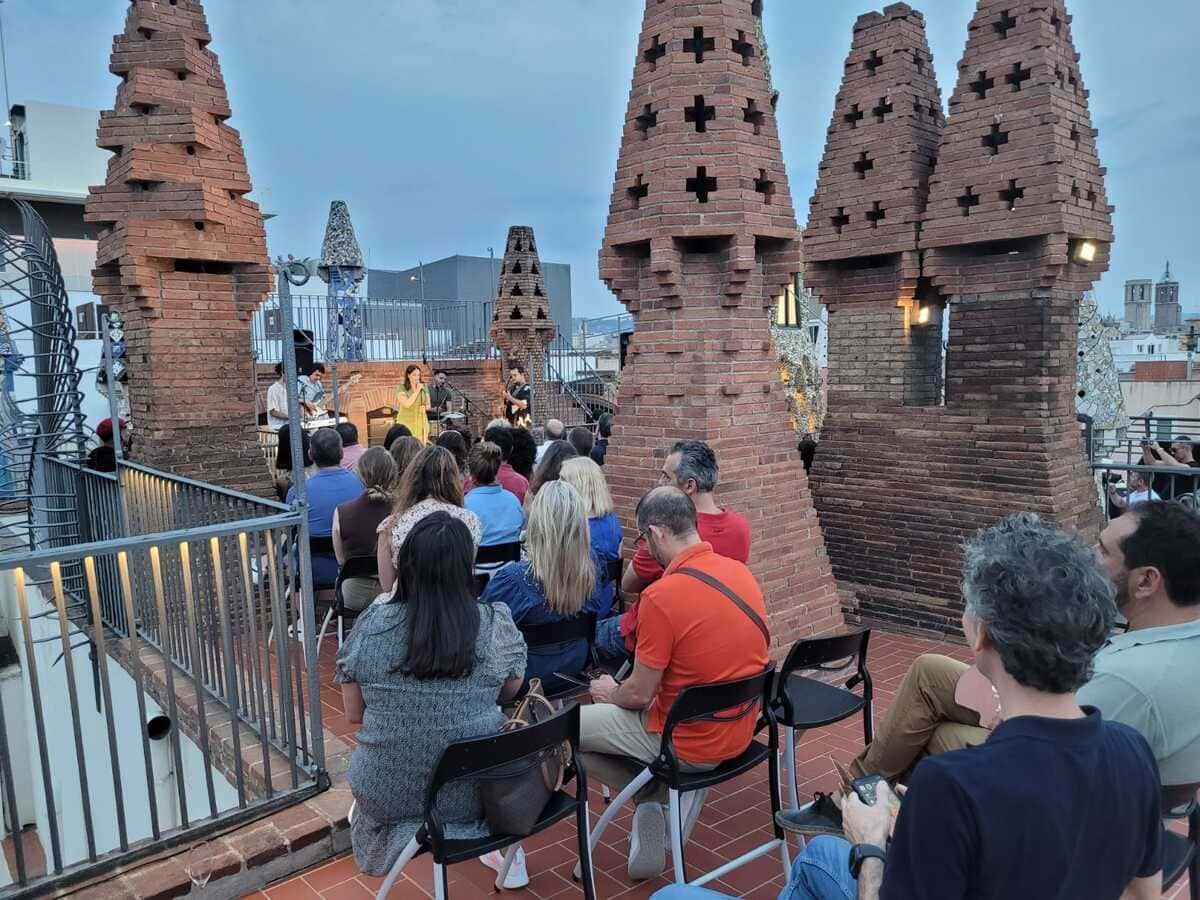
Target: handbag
(515,794)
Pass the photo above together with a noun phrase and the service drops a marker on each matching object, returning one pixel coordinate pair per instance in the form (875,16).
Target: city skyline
(443,123)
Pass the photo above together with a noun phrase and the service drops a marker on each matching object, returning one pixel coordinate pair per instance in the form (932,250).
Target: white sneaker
(648,842)
(518,875)
(691,804)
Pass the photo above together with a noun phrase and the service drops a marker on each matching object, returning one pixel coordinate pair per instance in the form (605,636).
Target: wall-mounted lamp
(924,315)
(1084,252)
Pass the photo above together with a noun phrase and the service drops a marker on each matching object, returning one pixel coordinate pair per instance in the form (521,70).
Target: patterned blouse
(401,525)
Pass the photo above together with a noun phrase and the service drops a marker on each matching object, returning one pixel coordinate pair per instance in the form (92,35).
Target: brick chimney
(182,253)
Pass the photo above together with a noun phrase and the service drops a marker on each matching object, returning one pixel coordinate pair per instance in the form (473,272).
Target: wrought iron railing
(174,603)
(392,329)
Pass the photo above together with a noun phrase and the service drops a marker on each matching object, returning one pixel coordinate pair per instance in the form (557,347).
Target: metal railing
(180,600)
(392,329)
(574,389)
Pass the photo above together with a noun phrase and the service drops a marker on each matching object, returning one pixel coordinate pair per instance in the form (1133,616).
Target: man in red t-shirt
(690,633)
(692,467)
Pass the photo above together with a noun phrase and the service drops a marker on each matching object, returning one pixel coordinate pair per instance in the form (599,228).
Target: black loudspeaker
(625,336)
(304,350)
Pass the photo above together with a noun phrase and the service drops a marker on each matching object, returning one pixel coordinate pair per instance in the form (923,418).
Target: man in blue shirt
(1057,804)
(328,487)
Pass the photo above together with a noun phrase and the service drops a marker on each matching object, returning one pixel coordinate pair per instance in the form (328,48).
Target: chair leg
(440,886)
(868,723)
(509,855)
(789,765)
(341,630)
(583,830)
(324,626)
(676,832)
(405,857)
(643,778)
(605,793)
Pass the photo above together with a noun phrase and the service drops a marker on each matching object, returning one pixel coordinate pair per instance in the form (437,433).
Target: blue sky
(442,122)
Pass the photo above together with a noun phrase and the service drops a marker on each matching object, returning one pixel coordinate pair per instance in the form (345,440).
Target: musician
(413,405)
(277,402)
(440,395)
(516,397)
(312,390)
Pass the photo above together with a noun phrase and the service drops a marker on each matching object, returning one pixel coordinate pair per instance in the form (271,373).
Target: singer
(412,401)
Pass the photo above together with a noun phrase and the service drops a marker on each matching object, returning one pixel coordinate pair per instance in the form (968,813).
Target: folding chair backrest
(578,628)
(359,567)
(478,756)
(614,570)
(721,701)
(320,546)
(498,554)
(819,652)
(1177,799)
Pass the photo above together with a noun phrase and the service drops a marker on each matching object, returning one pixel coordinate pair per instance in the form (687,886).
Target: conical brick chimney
(182,252)
(701,242)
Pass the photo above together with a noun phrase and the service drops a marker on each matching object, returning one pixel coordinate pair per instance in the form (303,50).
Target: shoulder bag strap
(738,601)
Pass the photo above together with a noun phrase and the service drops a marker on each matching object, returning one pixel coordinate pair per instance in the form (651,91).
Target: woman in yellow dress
(412,401)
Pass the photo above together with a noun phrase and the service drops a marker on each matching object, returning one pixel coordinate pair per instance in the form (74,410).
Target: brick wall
(1160,370)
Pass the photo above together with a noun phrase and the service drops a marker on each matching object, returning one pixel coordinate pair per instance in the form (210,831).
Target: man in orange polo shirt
(689,633)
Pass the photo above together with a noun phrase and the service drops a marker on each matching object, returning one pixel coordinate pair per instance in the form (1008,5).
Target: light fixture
(1084,252)
(923,315)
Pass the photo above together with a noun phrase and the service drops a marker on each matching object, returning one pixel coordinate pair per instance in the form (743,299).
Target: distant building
(468,278)
(1130,349)
(1168,314)
(1139,303)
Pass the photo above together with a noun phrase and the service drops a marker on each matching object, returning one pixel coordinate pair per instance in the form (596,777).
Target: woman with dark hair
(412,400)
(549,468)
(453,441)
(424,666)
(431,483)
(393,434)
(524,452)
(404,450)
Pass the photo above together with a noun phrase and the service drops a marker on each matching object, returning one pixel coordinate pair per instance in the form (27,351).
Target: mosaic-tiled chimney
(700,243)
(921,448)
(521,322)
(182,252)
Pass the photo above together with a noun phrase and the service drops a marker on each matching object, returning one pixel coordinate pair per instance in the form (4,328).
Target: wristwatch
(860,853)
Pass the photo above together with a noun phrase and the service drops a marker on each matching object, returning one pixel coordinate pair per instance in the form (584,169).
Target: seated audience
(453,441)
(404,450)
(430,484)
(467,436)
(499,510)
(604,431)
(603,525)
(557,581)
(1057,802)
(1143,677)
(510,480)
(327,488)
(396,431)
(690,633)
(356,523)
(550,466)
(352,450)
(523,453)
(1139,492)
(582,440)
(692,467)
(496,423)
(555,430)
(430,661)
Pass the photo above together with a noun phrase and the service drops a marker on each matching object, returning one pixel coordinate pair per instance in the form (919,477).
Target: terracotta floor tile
(332,873)
(292,890)
(348,890)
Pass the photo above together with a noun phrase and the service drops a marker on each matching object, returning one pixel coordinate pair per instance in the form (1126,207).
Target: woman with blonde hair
(356,522)
(557,581)
(431,483)
(586,477)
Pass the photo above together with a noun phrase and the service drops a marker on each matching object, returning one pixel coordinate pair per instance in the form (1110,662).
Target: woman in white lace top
(432,483)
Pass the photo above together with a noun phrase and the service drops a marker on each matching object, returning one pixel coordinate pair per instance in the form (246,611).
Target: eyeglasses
(641,538)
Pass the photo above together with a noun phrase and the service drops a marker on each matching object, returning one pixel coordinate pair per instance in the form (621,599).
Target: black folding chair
(321,546)
(1181,854)
(722,702)
(802,703)
(553,635)
(476,758)
(354,567)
